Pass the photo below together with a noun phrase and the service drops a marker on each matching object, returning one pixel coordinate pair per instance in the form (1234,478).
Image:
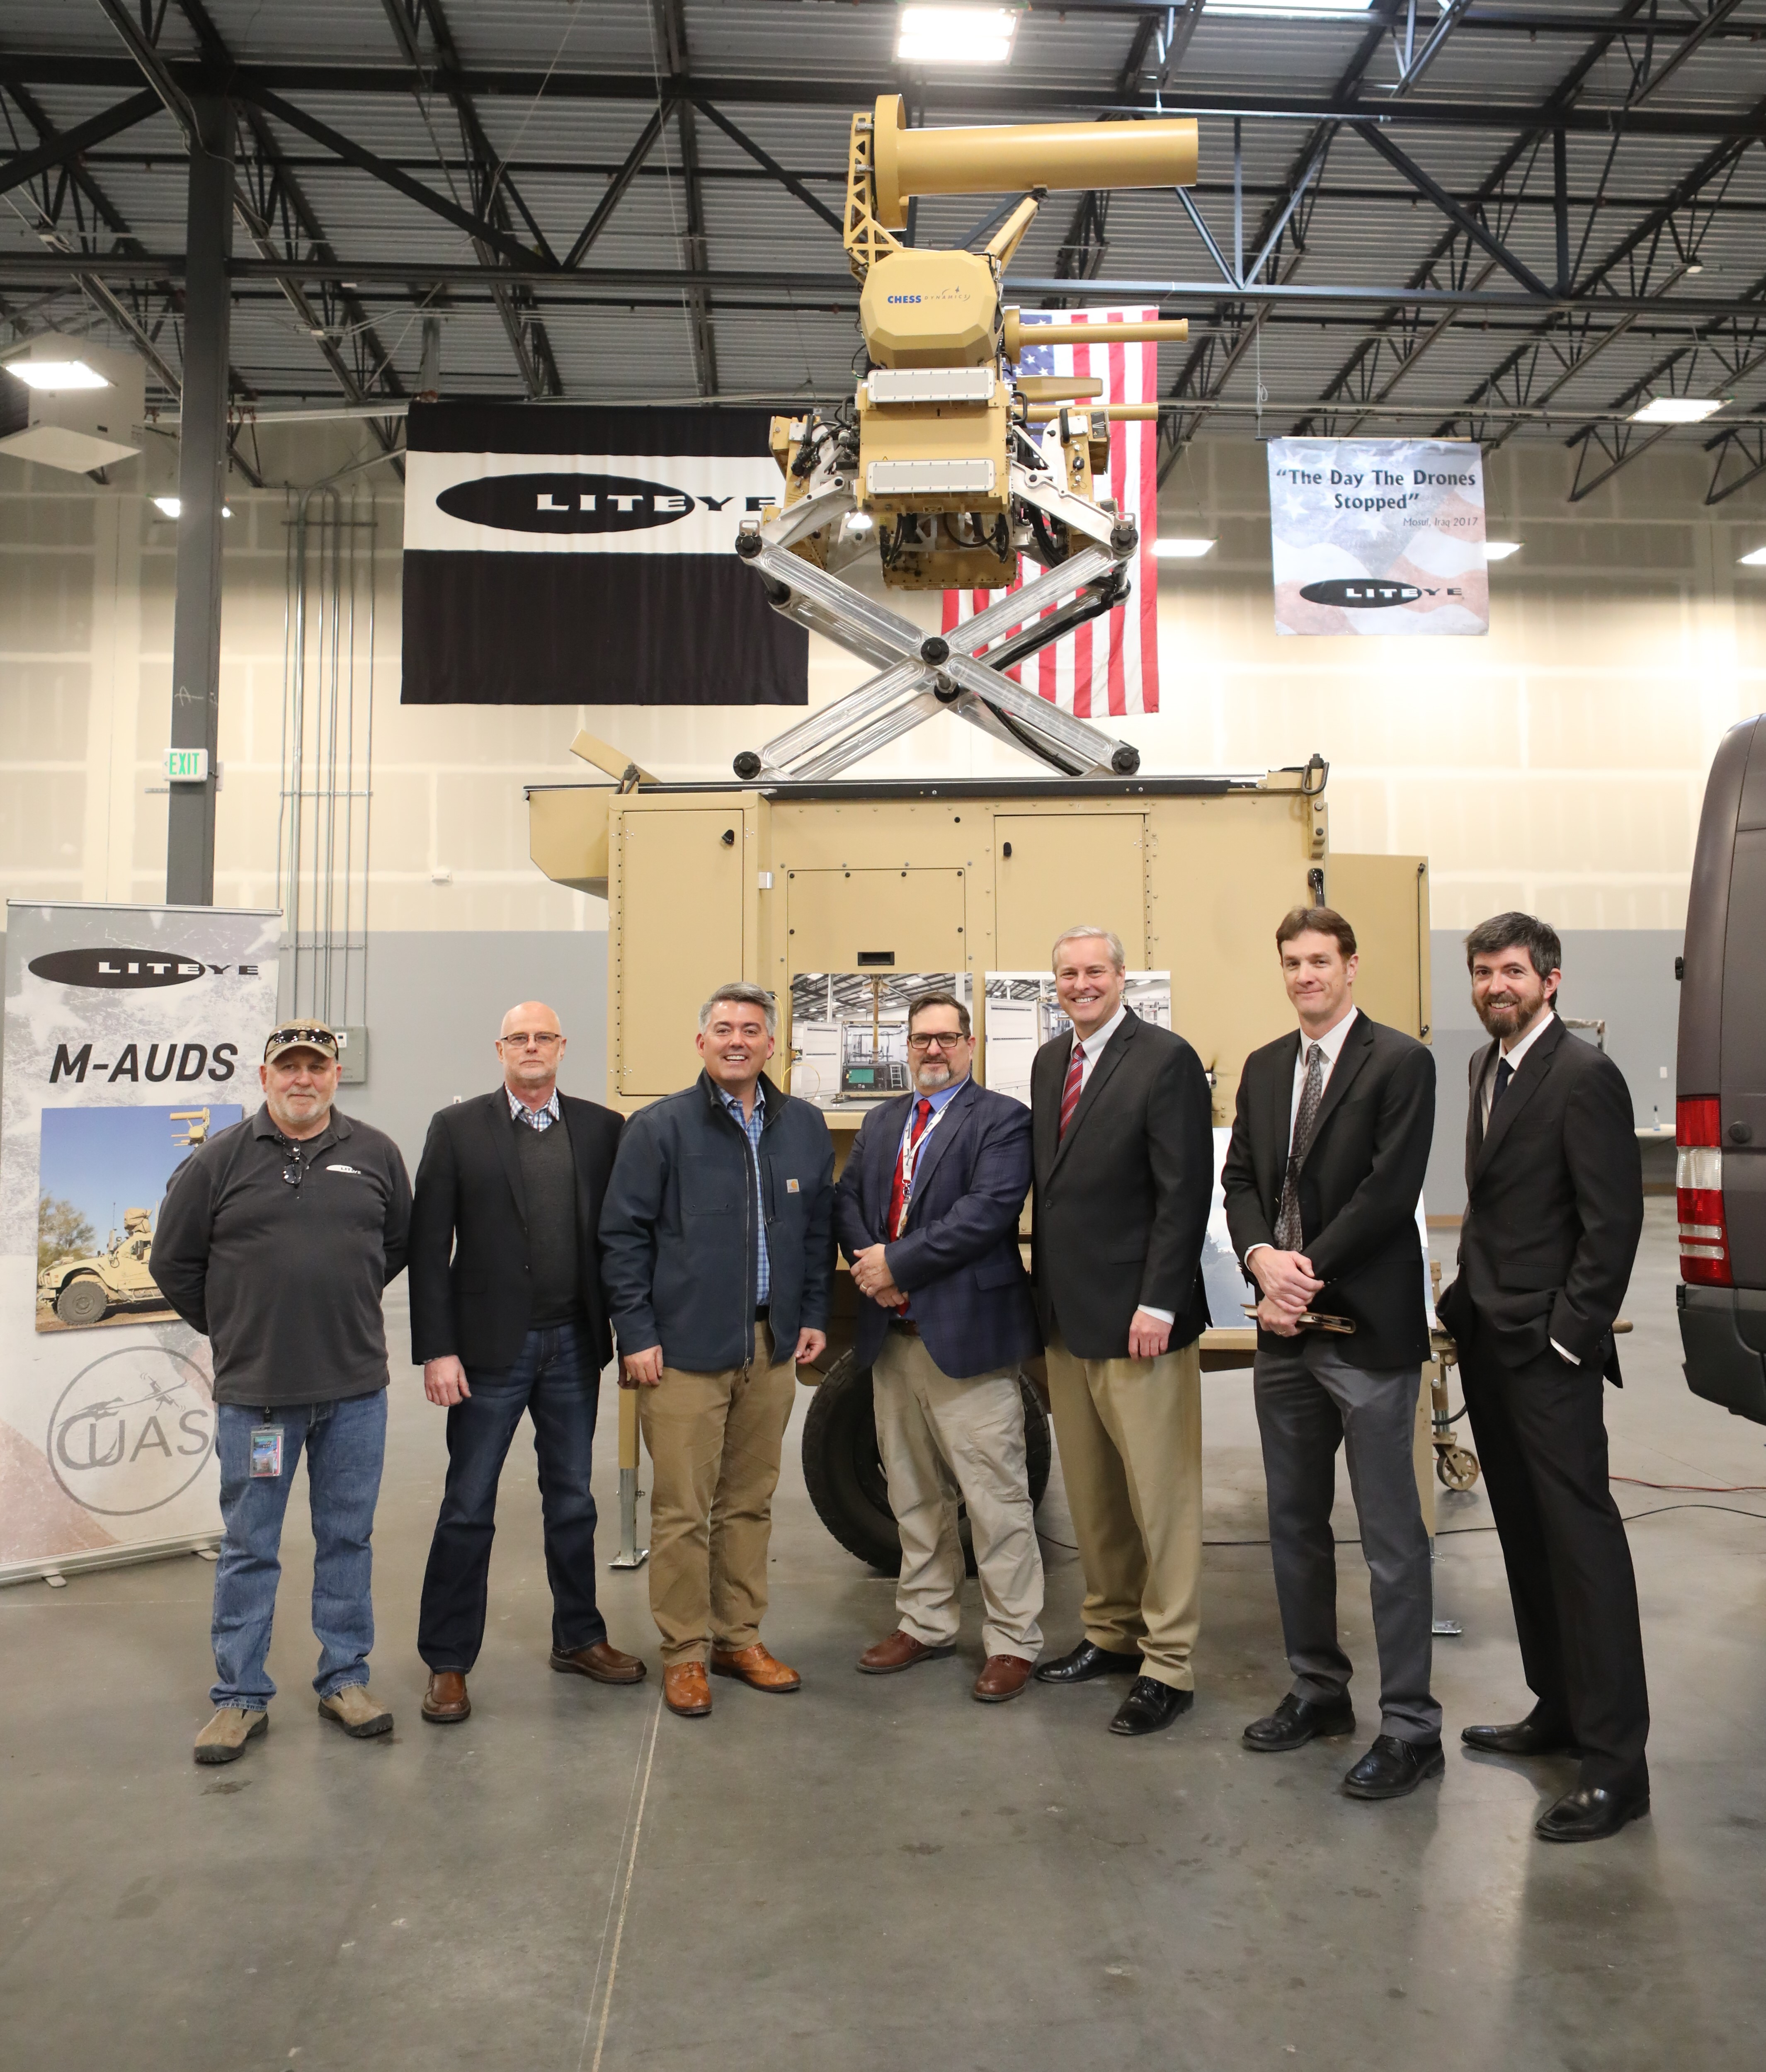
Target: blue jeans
(345,1444)
(556,1382)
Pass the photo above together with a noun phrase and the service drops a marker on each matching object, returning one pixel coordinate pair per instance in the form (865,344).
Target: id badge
(266,1451)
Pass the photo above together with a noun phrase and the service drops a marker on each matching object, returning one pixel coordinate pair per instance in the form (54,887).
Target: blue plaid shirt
(540,1118)
(751,1127)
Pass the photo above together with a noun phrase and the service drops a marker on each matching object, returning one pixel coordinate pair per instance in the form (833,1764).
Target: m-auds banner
(132,1035)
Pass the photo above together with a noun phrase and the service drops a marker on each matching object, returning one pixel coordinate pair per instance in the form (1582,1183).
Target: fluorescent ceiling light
(173,506)
(1328,8)
(1757,560)
(955,36)
(1500,550)
(57,373)
(1676,409)
(1182,550)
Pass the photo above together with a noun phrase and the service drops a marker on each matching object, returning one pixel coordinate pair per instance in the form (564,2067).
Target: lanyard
(910,1148)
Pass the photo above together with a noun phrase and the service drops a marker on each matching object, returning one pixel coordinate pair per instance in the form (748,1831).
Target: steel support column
(202,483)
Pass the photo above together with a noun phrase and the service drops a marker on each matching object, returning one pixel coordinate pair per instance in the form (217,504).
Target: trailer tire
(843,1471)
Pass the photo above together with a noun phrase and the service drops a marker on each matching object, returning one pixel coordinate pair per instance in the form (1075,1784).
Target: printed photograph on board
(1022,1014)
(849,1032)
(102,1176)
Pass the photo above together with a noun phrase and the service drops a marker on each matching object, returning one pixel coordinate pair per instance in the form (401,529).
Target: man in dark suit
(1553,1212)
(506,1315)
(1122,1130)
(1329,1147)
(927,1211)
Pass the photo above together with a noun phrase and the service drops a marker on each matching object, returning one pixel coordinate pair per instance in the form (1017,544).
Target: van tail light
(1699,1195)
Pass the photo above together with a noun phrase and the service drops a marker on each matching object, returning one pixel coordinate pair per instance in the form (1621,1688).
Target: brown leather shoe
(445,1702)
(1002,1676)
(685,1691)
(900,1650)
(756,1667)
(603,1663)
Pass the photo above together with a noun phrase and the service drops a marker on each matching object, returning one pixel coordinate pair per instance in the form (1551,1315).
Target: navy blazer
(958,1255)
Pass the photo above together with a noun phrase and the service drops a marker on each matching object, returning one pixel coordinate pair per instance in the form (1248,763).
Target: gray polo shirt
(285,1281)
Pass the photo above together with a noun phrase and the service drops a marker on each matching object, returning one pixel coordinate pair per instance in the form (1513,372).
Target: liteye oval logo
(115,971)
(565,502)
(1361,592)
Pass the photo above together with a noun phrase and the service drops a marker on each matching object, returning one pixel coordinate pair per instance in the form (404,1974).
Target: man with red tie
(927,1211)
(1124,1144)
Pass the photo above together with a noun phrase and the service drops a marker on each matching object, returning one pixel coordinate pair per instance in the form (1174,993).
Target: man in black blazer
(506,1315)
(1553,1212)
(927,1211)
(1330,1145)
(1122,1131)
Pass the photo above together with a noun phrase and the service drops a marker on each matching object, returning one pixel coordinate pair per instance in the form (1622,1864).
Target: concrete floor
(878,1874)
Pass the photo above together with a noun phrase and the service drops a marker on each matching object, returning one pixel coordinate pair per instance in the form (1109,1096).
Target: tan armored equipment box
(705,883)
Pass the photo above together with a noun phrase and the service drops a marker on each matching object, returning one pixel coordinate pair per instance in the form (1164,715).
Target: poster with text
(132,1037)
(1378,535)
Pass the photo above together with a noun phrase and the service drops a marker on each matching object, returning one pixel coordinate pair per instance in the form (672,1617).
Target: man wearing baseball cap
(275,1240)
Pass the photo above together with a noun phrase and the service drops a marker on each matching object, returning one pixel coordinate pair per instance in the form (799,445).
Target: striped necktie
(1306,1121)
(1076,1082)
(901,1195)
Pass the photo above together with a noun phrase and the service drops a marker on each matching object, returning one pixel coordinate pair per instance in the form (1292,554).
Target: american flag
(1110,665)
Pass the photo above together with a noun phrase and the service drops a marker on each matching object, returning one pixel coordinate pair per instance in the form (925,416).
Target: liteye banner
(132,1036)
(1378,535)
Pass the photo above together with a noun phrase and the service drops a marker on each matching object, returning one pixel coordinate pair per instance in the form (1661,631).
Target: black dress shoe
(1085,1661)
(1149,1706)
(1391,1768)
(1531,1735)
(1295,1721)
(1592,1812)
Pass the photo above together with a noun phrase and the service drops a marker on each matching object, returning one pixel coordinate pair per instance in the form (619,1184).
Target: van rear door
(1720,1106)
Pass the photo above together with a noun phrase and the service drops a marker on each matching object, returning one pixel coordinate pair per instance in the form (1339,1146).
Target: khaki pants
(1130,1436)
(943,1439)
(714,1441)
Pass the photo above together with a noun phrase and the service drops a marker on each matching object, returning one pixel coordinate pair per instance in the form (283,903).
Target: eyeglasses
(541,1039)
(946,1041)
(294,1172)
(301,1032)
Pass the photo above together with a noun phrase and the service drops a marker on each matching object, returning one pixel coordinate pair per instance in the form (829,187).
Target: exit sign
(186,766)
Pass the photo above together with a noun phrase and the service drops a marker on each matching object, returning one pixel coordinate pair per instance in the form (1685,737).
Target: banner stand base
(55,1570)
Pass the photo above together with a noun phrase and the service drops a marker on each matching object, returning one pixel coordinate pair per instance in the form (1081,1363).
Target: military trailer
(771,881)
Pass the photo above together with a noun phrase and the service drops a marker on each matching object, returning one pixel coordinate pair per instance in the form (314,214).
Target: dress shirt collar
(938,1100)
(1331,1044)
(733,1102)
(520,1111)
(1095,1043)
(1524,1044)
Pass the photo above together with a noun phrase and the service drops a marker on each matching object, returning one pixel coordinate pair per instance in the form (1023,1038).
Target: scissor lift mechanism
(920,674)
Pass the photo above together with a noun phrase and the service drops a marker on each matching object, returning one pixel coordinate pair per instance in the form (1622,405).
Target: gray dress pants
(1310,1400)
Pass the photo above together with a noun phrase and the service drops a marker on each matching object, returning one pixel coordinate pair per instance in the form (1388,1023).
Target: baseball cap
(300,1036)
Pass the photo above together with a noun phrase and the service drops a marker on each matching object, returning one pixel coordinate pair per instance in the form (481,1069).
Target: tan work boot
(685,1691)
(355,1712)
(224,1737)
(756,1667)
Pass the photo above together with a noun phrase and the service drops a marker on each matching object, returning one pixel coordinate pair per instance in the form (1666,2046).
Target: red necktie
(898,1193)
(1076,1082)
